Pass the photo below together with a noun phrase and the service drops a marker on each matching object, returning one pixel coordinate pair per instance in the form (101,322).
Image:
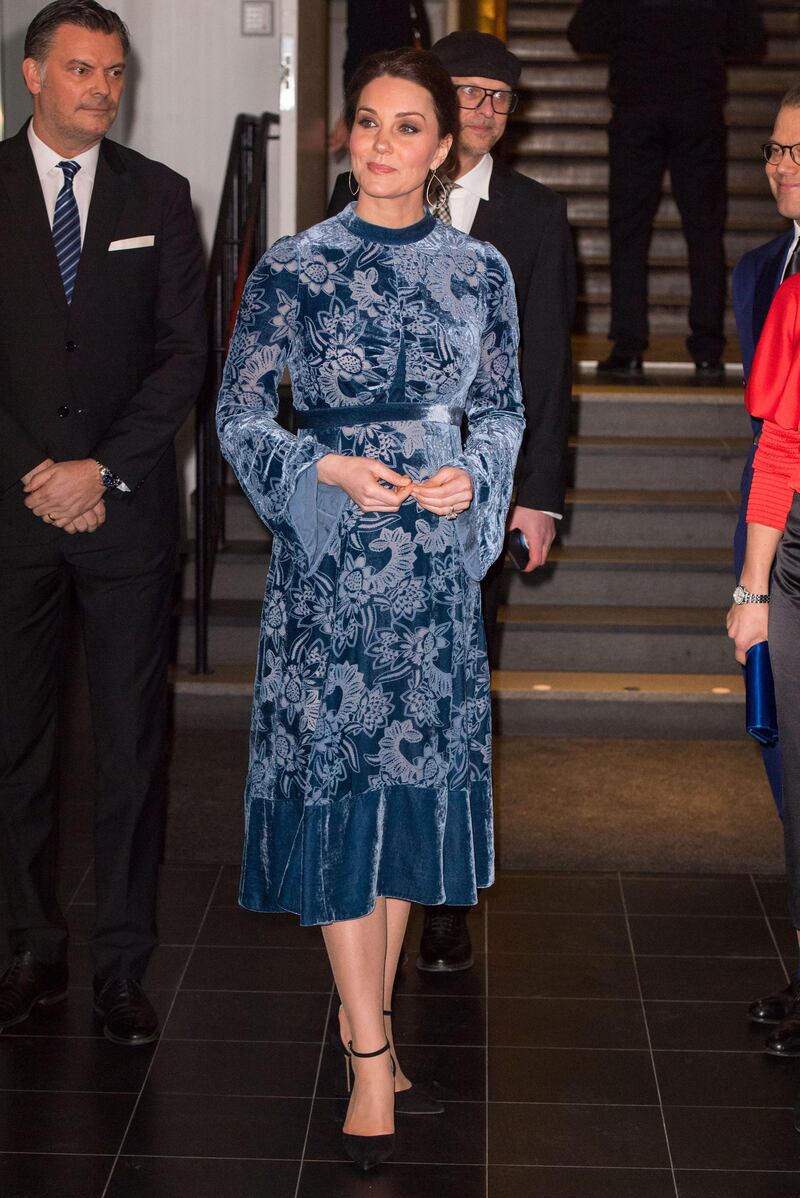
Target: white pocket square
(132,243)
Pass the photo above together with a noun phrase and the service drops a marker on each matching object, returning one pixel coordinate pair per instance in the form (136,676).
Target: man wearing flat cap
(527,222)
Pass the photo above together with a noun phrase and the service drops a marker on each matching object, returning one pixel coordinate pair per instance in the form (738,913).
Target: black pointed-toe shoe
(445,946)
(774,1008)
(414,1101)
(618,365)
(368,1151)
(126,1012)
(28,983)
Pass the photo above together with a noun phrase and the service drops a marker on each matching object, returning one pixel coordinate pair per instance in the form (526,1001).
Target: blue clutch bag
(761,715)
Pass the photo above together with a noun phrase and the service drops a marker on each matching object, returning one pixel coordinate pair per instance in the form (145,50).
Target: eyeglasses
(773,152)
(471,96)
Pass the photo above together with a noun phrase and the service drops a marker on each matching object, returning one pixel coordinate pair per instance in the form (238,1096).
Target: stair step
(584,76)
(577,175)
(552,46)
(532,703)
(548,18)
(668,246)
(644,517)
(748,112)
(745,211)
(663,462)
(665,320)
(568,141)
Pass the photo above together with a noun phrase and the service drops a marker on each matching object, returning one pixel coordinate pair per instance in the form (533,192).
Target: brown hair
(87,14)
(415,66)
(792,97)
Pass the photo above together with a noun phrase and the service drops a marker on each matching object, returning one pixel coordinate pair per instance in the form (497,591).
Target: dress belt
(379,413)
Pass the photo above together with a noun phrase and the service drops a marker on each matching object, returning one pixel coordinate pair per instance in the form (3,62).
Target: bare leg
(397,912)
(357,952)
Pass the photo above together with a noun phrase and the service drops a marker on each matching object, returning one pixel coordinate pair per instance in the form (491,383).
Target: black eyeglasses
(773,152)
(471,96)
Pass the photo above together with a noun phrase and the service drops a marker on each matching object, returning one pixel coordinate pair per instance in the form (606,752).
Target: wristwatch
(742,595)
(108,478)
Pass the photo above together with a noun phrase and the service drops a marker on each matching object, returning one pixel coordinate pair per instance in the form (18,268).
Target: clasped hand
(748,624)
(68,495)
(447,492)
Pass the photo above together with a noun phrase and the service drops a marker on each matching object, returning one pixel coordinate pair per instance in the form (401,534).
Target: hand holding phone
(518,548)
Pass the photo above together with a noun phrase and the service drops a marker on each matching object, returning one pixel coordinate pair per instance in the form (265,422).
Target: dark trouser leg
(637,160)
(32,590)
(124,597)
(784,644)
(491,589)
(697,166)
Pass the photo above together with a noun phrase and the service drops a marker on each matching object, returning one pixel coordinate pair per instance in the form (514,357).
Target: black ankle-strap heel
(368,1151)
(415,1100)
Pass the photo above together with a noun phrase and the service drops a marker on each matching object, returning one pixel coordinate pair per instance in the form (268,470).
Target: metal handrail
(240,239)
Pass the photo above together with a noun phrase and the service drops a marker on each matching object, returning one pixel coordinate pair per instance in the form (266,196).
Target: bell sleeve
(496,422)
(276,470)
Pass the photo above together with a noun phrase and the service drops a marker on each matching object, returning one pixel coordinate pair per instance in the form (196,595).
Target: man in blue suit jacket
(757,277)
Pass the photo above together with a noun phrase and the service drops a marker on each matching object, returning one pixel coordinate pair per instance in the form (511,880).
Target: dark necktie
(67,229)
(441,205)
(793,265)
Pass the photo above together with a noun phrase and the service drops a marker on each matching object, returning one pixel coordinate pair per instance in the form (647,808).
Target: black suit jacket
(112,375)
(527,223)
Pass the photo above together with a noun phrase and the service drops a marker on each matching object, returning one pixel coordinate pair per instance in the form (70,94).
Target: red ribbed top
(773,394)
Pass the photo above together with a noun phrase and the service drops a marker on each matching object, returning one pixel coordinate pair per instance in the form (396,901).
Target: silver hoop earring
(353,191)
(439,184)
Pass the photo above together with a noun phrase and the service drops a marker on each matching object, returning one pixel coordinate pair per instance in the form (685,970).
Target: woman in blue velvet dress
(369,784)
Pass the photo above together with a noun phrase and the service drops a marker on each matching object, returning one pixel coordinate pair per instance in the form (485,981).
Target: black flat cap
(469,53)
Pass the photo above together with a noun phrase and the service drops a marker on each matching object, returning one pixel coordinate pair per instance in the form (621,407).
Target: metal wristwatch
(742,595)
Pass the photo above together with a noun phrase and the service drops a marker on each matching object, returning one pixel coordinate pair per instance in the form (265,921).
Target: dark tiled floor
(598,1049)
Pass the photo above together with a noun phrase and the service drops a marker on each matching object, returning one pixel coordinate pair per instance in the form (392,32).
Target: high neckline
(404,236)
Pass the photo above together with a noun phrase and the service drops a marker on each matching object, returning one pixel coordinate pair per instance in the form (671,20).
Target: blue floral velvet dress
(370,752)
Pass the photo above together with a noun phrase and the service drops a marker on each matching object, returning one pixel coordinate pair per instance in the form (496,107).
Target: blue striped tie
(67,229)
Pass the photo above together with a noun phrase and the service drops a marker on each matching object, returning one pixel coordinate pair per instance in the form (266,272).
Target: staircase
(622,633)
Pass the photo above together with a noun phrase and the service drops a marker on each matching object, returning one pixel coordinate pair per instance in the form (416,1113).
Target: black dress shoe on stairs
(618,365)
(709,372)
(126,1012)
(28,983)
(775,1007)
(445,946)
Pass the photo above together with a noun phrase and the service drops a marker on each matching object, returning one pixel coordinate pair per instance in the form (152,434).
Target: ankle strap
(387,1013)
(377,1053)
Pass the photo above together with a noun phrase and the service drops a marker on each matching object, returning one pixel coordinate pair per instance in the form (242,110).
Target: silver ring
(451,515)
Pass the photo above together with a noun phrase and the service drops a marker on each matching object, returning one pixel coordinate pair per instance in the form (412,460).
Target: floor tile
(411,980)
(450,1073)
(533,932)
(226,893)
(458,1136)
(165,1177)
(725,1184)
(56,1063)
(525,1182)
(567,1023)
(48,1176)
(235,926)
(652,895)
(513,974)
(266,1070)
(441,1020)
(75,1017)
(701,936)
(269,969)
(217,1125)
(341,1180)
(233,1015)
(773,895)
(720,979)
(740,1079)
(619,1137)
(571,1076)
(785,934)
(588,894)
(732,1138)
(178,923)
(52,1122)
(704,1026)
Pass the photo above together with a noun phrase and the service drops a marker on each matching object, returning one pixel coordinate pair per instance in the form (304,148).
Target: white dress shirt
(51,177)
(789,252)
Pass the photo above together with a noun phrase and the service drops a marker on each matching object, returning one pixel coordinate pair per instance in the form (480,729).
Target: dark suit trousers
(784,649)
(123,595)
(690,143)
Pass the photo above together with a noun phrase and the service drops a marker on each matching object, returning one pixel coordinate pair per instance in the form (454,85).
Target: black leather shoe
(775,1007)
(127,1013)
(785,1040)
(28,983)
(621,365)
(445,946)
(709,372)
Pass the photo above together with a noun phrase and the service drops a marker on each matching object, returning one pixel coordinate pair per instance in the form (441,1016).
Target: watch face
(739,594)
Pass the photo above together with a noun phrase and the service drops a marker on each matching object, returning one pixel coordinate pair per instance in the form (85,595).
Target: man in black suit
(103,354)
(527,222)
